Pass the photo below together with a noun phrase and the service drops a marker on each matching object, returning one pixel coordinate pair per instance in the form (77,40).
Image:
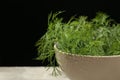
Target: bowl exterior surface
(88,67)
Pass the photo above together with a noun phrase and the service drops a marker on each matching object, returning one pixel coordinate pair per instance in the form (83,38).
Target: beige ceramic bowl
(89,67)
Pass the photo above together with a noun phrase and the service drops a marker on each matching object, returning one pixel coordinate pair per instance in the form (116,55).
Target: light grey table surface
(28,73)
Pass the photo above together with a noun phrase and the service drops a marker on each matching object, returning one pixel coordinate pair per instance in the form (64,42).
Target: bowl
(84,67)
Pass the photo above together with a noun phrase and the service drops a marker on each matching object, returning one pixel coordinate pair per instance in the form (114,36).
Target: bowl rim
(70,54)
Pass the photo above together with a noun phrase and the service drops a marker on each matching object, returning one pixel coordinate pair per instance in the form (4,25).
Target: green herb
(99,36)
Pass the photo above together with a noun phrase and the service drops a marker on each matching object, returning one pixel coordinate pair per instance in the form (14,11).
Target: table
(29,73)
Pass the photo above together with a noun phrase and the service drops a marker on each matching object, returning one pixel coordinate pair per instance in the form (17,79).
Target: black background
(26,22)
